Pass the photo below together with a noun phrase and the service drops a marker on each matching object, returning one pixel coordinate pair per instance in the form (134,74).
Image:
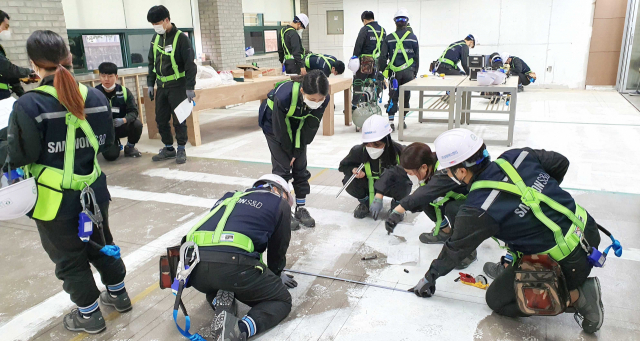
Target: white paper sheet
(403,253)
(6,106)
(183,110)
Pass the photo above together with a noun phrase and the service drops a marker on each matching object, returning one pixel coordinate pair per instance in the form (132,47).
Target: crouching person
(231,240)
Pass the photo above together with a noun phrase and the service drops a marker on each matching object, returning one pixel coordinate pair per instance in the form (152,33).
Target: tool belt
(169,266)
(540,286)
(367,65)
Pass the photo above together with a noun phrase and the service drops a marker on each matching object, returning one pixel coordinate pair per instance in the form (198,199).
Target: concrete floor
(155,204)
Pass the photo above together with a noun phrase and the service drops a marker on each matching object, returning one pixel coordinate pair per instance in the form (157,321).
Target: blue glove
(424,288)
(118,122)
(375,208)
(191,95)
(111,250)
(392,221)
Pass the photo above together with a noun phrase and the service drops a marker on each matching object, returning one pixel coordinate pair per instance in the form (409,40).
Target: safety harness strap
(442,59)
(372,178)
(295,92)
(437,205)
(307,60)
(565,244)
(4,86)
(287,54)
(376,51)
(176,73)
(400,46)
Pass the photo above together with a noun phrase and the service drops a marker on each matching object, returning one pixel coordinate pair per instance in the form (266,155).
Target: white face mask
(5,35)
(110,88)
(159,29)
(300,31)
(375,153)
(312,105)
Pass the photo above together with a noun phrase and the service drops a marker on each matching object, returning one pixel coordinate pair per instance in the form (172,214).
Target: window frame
(249,29)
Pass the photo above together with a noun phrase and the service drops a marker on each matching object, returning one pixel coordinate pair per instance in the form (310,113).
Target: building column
(222,32)
(304,8)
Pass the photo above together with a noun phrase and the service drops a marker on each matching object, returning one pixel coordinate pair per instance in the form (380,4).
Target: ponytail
(48,51)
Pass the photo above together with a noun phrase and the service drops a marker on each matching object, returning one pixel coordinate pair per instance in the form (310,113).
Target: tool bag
(169,266)
(540,286)
(367,65)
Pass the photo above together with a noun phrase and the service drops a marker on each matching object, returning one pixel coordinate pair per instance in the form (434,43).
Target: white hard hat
(303,19)
(354,64)
(504,56)
(402,12)
(18,199)
(375,128)
(456,146)
(277,180)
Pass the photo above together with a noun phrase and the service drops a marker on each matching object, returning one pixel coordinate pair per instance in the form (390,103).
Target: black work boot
(224,301)
(361,211)
(467,261)
(520,88)
(225,328)
(295,224)
(303,216)
(165,154)
(493,270)
(121,303)
(589,306)
(182,156)
(131,151)
(74,322)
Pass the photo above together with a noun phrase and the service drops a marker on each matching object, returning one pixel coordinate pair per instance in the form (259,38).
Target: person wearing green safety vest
(231,241)
(291,53)
(290,118)
(399,62)
(10,73)
(124,110)
(381,175)
(518,200)
(328,64)
(55,133)
(173,70)
(455,53)
(368,45)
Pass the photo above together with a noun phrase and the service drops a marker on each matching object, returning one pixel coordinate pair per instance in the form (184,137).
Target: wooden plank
(327,119)
(193,129)
(140,115)
(240,92)
(347,107)
(150,111)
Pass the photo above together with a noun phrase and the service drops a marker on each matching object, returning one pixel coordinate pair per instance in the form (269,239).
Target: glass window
(102,48)
(77,51)
(139,45)
(270,41)
(255,39)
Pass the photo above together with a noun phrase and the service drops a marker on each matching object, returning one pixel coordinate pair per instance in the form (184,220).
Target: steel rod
(345,280)
(350,179)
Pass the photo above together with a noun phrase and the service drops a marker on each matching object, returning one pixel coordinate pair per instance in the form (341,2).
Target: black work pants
(263,291)
(523,79)
(132,130)
(403,77)
(359,189)
(501,295)
(168,99)
(291,68)
(74,257)
(358,78)
(280,165)
(448,70)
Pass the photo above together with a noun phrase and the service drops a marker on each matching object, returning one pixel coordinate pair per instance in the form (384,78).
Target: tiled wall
(319,41)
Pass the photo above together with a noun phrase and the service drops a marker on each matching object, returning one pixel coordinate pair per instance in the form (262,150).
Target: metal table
(444,103)
(497,105)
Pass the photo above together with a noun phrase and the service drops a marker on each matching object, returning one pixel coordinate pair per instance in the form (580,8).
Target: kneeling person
(124,110)
(381,176)
(231,239)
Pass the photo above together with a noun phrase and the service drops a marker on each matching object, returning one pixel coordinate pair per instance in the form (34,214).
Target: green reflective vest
(52,181)
(287,54)
(372,178)
(438,203)
(307,60)
(176,73)
(290,114)
(376,52)
(4,86)
(566,243)
(442,59)
(400,46)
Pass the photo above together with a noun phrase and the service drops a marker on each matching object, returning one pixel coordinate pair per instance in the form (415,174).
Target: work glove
(191,95)
(151,93)
(393,220)
(375,208)
(118,122)
(288,280)
(424,288)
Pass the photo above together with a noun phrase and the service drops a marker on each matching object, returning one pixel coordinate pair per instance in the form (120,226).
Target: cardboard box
(247,67)
(237,73)
(268,72)
(251,74)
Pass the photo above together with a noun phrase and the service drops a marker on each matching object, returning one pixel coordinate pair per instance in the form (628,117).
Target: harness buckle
(185,267)
(529,197)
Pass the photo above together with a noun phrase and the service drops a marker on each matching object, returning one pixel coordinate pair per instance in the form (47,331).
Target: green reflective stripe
(437,205)
(372,178)
(4,86)
(307,59)
(219,237)
(442,59)
(565,244)
(124,94)
(376,51)
(270,104)
(399,46)
(176,72)
(287,54)
(295,92)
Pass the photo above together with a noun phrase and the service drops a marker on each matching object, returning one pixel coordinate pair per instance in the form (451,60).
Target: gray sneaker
(225,328)
(131,152)
(76,323)
(467,261)
(303,216)
(164,154)
(430,238)
(182,156)
(121,303)
(493,270)
(590,311)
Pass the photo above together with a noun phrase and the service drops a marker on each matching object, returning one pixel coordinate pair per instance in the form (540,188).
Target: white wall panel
(440,22)
(524,22)
(94,14)
(482,19)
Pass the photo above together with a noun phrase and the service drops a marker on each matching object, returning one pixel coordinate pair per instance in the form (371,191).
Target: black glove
(191,95)
(288,280)
(393,220)
(151,93)
(424,288)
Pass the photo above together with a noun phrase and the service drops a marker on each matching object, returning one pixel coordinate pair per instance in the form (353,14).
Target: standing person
(10,73)
(368,46)
(457,52)
(400,54)
(517,67)
(328,64)
(124,110)
(291,53)
(231,270)
(504,202)
(42,120)
(381,175)
(290,118)
(173,70)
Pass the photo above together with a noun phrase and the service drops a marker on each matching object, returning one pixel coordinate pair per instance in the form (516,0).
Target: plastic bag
(207,77)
